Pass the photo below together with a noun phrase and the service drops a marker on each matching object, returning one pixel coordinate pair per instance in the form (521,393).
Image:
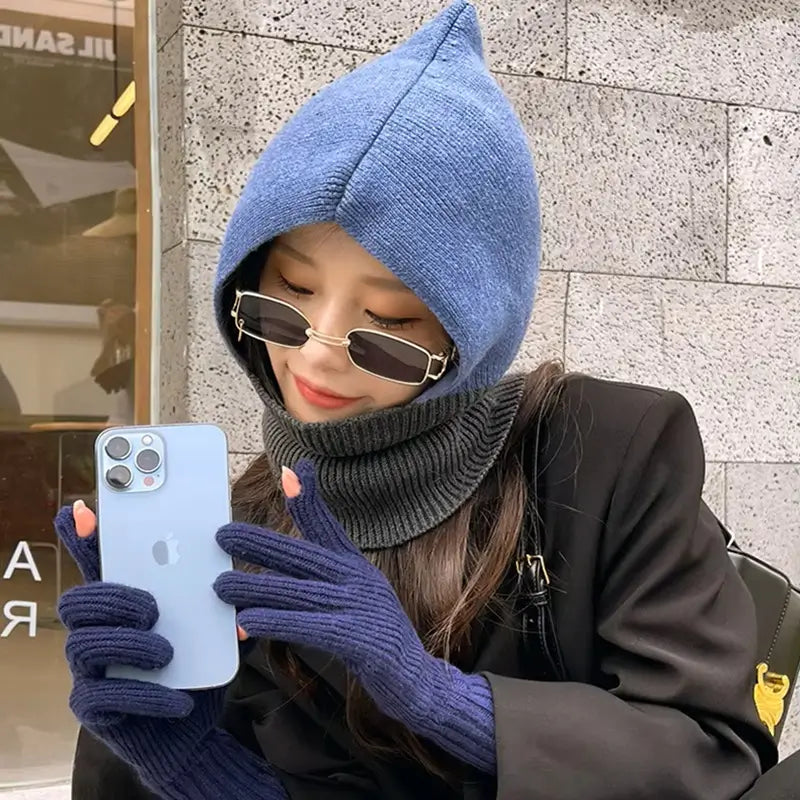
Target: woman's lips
(319,397)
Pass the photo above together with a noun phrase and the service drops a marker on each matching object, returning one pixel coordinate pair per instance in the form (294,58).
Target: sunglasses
(374,352)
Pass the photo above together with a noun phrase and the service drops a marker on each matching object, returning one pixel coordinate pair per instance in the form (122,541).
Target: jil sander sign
(32,39)
(59,42)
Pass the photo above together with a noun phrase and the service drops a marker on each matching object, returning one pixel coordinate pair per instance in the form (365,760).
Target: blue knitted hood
(418,156)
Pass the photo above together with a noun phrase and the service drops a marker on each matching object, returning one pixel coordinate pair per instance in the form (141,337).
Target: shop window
(71,244)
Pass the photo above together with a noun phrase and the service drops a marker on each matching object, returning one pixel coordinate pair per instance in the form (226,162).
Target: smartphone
(162,493)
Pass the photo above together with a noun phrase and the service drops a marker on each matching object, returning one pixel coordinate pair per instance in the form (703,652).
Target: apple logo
(165,551)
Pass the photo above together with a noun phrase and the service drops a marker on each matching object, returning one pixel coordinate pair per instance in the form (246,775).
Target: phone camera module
(119,477)
(148,460)
(118,448)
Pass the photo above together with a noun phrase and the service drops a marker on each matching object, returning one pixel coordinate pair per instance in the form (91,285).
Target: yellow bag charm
(768,693)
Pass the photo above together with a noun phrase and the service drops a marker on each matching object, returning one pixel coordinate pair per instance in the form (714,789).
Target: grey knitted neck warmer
(394,474)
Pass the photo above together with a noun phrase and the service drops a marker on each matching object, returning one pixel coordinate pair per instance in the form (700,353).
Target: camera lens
(119,477)
(148,460)
(118,448)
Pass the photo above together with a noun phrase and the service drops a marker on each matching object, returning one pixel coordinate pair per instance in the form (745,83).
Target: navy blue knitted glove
(320,591)
(170,737)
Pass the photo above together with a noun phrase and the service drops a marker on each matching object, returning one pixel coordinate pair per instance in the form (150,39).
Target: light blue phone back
(183,514)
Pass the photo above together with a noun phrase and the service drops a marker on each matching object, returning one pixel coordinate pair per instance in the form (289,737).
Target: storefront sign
(43,40)
(16,613)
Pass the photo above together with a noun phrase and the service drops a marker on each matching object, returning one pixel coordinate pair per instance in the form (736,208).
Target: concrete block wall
(667,138)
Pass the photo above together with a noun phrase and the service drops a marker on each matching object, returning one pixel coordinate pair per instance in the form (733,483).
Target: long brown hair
(472,552)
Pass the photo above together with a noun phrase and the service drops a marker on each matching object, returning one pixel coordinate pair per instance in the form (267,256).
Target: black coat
(656,628)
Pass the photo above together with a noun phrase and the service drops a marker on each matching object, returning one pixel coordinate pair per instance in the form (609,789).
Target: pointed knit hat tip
(457,23)
(419,156)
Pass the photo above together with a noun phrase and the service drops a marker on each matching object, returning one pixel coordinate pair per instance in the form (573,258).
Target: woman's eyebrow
(393,284)
(378,281)
(295,253)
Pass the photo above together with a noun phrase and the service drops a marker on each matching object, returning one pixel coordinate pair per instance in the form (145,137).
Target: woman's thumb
(82,547)
(84,518)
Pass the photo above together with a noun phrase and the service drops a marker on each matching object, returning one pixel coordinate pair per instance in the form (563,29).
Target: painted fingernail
(290,482)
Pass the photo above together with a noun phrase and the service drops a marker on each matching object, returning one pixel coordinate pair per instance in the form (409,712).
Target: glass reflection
(67,325)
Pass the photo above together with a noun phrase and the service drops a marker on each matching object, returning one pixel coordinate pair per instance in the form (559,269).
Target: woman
(375,283)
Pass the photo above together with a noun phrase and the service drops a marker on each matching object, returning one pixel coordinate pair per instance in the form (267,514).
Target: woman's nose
(325,347)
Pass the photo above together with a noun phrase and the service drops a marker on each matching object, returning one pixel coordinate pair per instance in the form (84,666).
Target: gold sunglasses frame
(335,341)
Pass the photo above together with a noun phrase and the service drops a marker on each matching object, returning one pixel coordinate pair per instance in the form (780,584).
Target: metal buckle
(529,559)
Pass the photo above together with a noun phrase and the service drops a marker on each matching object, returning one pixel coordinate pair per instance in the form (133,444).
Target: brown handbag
(777,604)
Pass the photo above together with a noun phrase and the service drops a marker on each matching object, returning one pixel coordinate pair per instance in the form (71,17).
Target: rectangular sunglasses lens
(267,319)
(389,358)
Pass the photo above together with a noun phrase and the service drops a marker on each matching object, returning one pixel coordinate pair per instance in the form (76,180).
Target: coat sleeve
(99,774)
(672,714)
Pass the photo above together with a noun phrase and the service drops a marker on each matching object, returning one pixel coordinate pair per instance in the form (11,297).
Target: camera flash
(147,439)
